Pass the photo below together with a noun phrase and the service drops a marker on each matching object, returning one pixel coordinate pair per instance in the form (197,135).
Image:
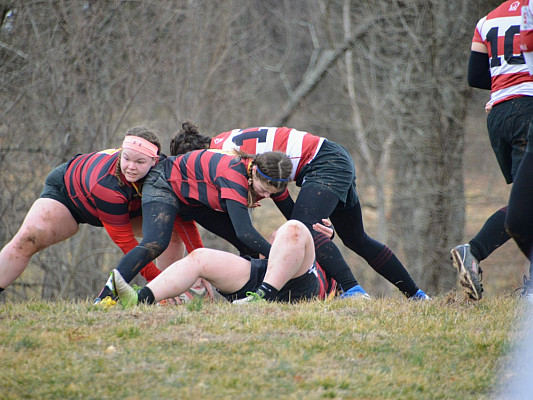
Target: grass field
(343,349)
(382,349)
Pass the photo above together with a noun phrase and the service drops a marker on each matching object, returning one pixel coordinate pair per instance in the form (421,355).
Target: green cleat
(251,297)
(127,296)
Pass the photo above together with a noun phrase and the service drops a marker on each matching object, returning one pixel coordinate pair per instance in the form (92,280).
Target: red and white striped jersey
(301,147)
(499,31)
(526,34)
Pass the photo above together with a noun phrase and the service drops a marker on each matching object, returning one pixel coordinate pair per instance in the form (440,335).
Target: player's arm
(113,212)
(479,67)
(124,238)
(285,203)
(245,231)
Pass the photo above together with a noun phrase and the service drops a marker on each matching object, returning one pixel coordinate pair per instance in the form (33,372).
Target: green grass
(344,349)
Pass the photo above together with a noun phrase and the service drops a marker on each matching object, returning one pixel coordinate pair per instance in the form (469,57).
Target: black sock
(388,266)
(270,292)
(491,236)
(104,293)
(146,296)
(330,259)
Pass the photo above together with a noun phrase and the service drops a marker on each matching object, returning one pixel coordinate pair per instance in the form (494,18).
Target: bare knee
(293,231)
(30,240)
(200,258)
(155,249)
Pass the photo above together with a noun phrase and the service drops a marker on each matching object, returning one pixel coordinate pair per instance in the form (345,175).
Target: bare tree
(428,76)
(72,79)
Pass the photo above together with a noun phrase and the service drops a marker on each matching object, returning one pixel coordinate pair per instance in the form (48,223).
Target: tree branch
(314,76)
(18,52)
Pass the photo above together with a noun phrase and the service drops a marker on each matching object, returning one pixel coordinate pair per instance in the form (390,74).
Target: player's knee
(201,258)
(293,230)
(154,248)
(296,226)
(512,228)
(30,240)
(355,244)
(204,255)
(199,254)
(514,225)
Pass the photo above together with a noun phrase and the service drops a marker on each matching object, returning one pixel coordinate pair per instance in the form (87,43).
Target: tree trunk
(429,196)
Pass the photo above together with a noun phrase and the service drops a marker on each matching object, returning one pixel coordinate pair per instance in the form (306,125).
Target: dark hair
(143,133)
(188,139)
(274,169)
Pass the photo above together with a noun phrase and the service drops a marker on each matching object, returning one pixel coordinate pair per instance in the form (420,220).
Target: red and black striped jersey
(209,178)
(301,147)
(93,187)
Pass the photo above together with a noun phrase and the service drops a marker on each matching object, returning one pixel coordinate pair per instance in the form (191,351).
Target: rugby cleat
(251,297)
(356,292)
(470,273)
(420,295)
(127,296)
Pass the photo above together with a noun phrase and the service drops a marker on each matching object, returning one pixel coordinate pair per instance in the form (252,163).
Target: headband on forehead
(141,145)
(269,178)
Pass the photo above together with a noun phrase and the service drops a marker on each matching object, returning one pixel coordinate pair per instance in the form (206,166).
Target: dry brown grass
(344,349)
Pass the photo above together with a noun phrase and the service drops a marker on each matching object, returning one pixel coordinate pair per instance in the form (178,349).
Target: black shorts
(303,287)
(530,138)
(333,170)
(508,124)
(54,188)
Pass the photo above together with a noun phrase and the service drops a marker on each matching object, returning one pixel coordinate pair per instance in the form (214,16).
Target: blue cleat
(420,295)
(356,292)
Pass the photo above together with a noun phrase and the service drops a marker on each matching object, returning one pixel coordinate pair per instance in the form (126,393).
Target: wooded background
(387,79)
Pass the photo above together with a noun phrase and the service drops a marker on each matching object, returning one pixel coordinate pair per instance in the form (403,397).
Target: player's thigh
(48,221)
(225,271)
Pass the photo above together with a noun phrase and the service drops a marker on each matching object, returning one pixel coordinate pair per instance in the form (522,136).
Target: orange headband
(141,145)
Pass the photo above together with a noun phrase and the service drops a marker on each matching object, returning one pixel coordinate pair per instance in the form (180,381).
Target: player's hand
(325,228)
(201,288)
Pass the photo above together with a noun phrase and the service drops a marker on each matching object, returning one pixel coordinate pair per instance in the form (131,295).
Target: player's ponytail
(188,138)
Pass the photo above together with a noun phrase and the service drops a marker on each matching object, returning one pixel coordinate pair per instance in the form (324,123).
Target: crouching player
(289,275)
